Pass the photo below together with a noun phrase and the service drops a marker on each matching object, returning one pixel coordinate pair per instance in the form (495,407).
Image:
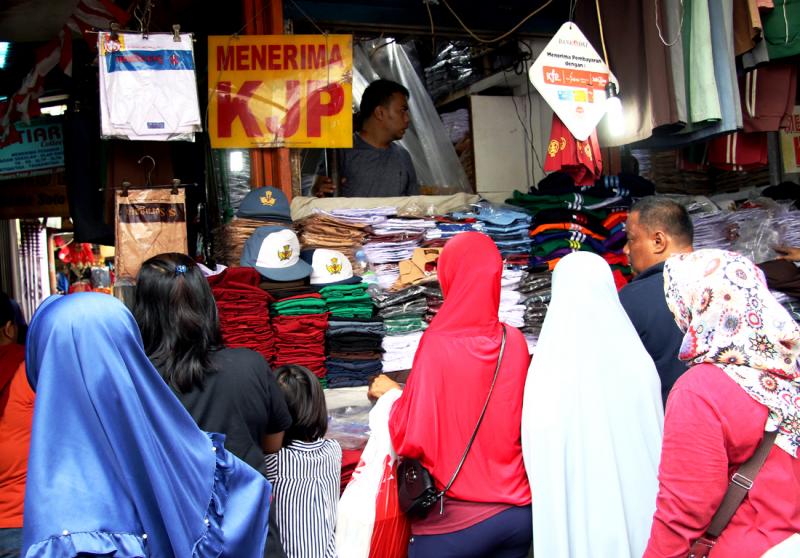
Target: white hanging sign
(572,77)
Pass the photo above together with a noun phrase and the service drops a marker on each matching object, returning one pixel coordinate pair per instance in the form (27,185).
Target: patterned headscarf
(721,302)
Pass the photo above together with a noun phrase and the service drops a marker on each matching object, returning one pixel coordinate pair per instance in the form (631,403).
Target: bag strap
(480,419)
(741,483)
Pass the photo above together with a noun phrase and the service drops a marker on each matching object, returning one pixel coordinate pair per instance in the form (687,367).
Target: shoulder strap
(741,482)
(480,419)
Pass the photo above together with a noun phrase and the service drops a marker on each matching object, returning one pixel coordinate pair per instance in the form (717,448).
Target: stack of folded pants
(354,351)
(243,310)
(325,231)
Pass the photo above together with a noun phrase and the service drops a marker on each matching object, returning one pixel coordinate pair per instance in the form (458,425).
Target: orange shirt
(15,439)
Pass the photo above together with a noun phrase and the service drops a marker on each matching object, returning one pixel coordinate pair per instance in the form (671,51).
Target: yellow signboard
(280,91)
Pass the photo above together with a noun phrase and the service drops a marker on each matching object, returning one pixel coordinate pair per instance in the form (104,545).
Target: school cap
(265,203)
(329,267)
(275,253)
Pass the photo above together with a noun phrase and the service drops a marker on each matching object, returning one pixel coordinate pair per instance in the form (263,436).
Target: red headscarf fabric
(450,378)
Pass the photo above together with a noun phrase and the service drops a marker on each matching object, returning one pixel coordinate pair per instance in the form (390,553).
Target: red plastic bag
(392,528)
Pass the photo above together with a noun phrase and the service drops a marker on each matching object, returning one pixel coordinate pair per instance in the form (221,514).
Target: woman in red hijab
(487,510)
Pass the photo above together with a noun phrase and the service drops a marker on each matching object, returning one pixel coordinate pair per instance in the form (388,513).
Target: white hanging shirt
(148,89)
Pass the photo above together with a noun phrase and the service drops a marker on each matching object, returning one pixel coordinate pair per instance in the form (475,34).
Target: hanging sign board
(39,151)
(23,201)
(280,91)
(790,142)
(571,77)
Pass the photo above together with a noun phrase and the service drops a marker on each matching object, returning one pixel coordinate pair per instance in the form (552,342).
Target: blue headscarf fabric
(117,466)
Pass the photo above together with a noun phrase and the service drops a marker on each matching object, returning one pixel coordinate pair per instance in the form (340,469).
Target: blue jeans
(508,534)
(10,543)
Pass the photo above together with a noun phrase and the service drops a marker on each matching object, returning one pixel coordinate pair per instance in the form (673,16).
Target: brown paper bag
(149,222)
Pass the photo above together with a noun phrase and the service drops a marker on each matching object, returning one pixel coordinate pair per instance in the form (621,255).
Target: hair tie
(180,269)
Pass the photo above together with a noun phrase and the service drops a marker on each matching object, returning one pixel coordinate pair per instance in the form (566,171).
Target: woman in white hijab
(592,421)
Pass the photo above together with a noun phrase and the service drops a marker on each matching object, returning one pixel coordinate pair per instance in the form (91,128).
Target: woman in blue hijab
(117,466)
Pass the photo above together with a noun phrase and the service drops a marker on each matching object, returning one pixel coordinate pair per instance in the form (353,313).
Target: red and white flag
(24,104)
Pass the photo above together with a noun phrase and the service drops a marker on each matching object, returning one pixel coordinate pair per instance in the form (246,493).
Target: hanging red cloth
(579,159)
(738,151)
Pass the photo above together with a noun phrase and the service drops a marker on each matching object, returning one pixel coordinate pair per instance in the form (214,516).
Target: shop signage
(39,151)
(572,77)
(22,201)
(790,142)
(280,91)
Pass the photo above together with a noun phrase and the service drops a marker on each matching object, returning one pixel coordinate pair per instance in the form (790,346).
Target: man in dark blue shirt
(657,228)
(376,166)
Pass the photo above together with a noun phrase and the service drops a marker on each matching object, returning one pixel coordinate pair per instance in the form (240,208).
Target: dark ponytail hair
(306,403)
(177,316)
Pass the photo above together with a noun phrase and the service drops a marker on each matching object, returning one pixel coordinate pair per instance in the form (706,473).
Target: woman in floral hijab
(743,350)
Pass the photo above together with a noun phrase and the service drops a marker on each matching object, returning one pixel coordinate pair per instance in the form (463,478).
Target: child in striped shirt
(305,473)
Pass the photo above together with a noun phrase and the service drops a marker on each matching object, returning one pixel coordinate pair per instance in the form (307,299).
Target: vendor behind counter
(376,166)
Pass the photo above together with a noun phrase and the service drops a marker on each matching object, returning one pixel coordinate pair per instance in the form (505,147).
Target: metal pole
(774,156)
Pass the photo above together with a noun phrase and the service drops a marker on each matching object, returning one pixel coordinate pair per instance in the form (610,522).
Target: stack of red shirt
(579,159)
(243,310)
(300,339)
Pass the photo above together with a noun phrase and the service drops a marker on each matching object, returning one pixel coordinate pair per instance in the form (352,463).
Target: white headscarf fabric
(592,421)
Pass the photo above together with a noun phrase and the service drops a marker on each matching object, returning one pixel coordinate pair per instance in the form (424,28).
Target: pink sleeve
(693,475)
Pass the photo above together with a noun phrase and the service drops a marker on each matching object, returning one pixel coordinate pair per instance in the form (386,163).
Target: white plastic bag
(356,513)
(789,548)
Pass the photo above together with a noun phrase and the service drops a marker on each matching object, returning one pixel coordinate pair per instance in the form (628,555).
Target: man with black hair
(657,228)
(376,166)
(16,416)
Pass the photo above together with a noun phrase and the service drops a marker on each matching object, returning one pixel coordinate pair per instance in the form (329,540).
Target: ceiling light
(54,110)
(236,161)
(615,120)
(4,54)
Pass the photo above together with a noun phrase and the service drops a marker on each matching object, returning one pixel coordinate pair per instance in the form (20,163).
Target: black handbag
(415,487)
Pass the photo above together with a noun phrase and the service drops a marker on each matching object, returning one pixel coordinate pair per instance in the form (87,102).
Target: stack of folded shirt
(232,236)
(243,310)
(511,310)
(536,290)
(508,227)
(299,324)
(400,225)
(354,351)
(400,350)
(448,226)
(568,219)
(435,299)
(325,231)
(419,269)
(299,305)
(371,216)
(348,301)
(403,314)
(389,249)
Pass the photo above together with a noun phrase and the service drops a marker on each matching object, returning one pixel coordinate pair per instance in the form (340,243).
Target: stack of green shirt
(299,306)
(534,203)
(404,323)
(348,301)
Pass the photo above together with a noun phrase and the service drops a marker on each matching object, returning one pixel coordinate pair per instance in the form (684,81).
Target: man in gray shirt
(375,166)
